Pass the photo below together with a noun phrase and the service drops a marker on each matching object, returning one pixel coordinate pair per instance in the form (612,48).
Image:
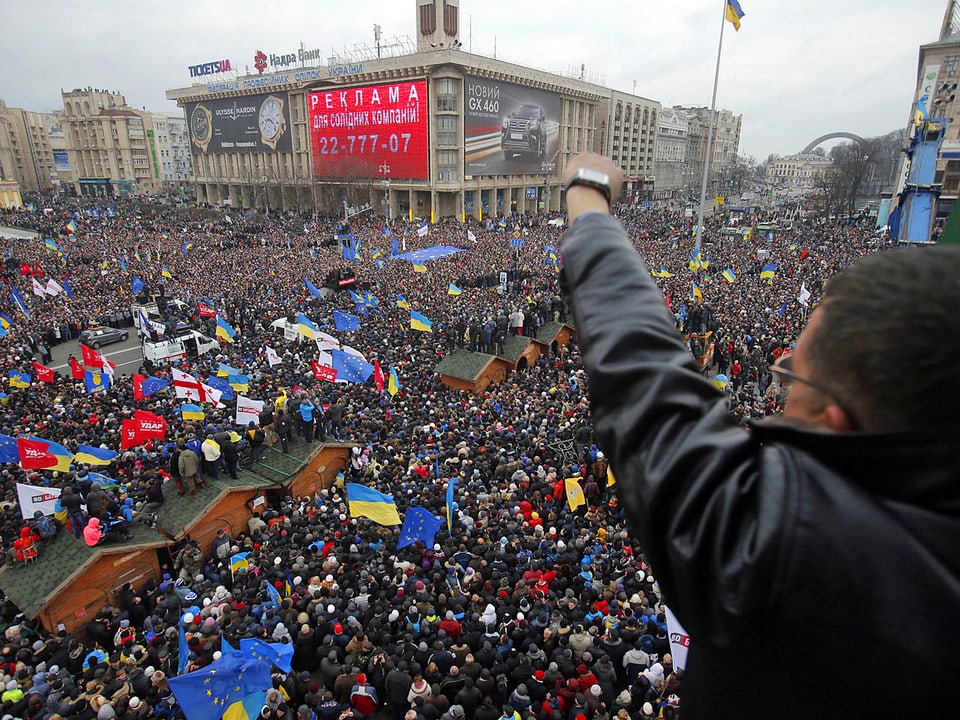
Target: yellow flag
(574,493)
(611,480)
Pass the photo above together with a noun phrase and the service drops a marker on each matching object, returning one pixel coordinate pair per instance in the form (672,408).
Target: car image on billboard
(510,129)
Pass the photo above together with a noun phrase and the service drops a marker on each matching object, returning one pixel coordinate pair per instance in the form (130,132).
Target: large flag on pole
(734,13)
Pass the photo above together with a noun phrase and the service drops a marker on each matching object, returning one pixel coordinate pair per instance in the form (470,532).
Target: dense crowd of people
(524,608)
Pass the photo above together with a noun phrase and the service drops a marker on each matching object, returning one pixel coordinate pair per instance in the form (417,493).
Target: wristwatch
(201,126)
(595,179)
(271,121)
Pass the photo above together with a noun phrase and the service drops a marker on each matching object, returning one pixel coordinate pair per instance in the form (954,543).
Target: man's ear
(836,418)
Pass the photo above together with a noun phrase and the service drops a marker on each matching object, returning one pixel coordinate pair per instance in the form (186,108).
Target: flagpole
(713,113)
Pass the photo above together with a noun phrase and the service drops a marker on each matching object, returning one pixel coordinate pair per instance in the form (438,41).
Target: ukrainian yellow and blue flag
(768,272)
(729,275)
(370,503)
(401,303)
(224,330)
(420,322)
(306,327)
(734,13)
(189,411)
(94,455)
(393,386)
(453,289)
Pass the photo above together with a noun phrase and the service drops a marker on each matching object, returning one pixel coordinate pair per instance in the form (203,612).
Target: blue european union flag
(345,322)
(274,595)
(279,654)
(394,250)
(8,449)
(223,385)
(137,284)
(314,290)
(67,289)
(153,385)
(206,693)
(350,367)
(418,524)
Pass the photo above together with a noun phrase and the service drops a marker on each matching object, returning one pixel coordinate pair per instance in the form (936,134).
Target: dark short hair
(888,339)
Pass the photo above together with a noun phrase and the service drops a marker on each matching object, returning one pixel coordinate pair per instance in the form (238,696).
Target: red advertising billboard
(377,131)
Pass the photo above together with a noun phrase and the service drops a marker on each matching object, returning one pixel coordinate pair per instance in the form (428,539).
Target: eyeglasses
(783,369)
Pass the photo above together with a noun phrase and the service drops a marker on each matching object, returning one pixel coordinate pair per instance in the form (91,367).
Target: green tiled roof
(513,347)
(463,364)
(548,331)
(63,557)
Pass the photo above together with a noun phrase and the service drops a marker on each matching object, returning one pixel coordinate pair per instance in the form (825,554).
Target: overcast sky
(795,71)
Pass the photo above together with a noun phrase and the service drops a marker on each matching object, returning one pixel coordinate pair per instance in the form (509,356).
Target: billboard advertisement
(61,162)
(255,123)
(509,129)
(377,131)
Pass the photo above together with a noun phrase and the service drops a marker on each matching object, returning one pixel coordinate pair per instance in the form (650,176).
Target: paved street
(127,355)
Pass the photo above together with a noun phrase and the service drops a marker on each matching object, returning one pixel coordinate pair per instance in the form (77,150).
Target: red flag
(378,375)
(44,374)
(76,369)
(25,269)
(91,358)
(322,372)
(37,270)
(35,454)
(206,311)
(128,434)
(149,424)
(138,386)
(804,254)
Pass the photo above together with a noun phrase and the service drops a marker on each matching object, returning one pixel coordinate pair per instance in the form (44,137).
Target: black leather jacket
(818,574)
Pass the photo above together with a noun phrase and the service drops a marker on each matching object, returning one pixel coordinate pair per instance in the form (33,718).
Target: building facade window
(447,90)
(447,134)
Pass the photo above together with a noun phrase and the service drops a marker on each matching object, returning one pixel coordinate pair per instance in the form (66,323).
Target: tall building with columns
(419,127)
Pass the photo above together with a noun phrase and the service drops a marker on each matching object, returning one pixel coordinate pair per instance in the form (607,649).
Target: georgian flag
(187,386)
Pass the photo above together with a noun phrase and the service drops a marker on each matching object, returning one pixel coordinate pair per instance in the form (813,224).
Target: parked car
(98,336)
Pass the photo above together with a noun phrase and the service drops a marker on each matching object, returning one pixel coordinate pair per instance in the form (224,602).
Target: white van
(187,343)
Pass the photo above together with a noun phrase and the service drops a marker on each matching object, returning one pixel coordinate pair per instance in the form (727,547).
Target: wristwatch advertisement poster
(253,123)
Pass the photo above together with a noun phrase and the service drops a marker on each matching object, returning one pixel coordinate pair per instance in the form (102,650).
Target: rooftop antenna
(494,47)
(376,37)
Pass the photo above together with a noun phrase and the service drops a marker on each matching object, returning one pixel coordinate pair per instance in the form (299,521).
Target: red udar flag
(76,369)
(44,374)
(205,310)
(35,455)
(149,425)
(91,358)
(128,434)
(378,375)
(322,372)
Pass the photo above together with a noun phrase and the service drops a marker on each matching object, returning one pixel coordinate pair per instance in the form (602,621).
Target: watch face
(271,118)
(200,123)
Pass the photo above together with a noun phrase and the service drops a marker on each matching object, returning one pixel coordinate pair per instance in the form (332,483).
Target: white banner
(248,410)
(33,498)
(423,231)
(272,357)
(679,640)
